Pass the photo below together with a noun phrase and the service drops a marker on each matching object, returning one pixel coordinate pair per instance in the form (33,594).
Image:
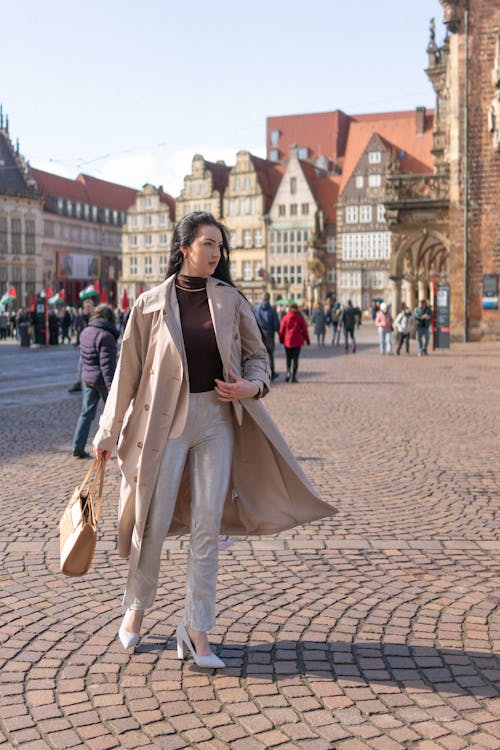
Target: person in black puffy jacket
(99,354)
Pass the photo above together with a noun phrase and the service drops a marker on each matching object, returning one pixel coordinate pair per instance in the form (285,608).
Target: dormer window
(374,157)
(303,152)
(273,154)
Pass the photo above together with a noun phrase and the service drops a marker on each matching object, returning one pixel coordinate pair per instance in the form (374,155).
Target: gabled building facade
(146,239)
(251,187)
(204,188)
(297,265)
(20,222)
(82,226)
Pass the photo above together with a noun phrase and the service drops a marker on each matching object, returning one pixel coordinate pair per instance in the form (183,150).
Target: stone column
(395,295)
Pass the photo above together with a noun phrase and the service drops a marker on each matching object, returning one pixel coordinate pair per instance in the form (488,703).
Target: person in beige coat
(197,449)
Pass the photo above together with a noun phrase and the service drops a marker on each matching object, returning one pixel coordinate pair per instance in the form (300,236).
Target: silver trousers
(208,441)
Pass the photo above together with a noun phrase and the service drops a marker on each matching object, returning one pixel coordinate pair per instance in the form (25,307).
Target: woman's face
(202,256)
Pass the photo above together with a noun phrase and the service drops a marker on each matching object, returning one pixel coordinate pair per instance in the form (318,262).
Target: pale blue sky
(130,92)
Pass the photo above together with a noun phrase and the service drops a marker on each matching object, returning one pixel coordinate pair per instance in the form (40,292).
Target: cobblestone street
(377,629)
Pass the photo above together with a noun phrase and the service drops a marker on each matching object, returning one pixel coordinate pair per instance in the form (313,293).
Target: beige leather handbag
(78,524)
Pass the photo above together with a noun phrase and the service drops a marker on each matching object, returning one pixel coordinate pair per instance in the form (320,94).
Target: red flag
(49,292)
(125,302)
(104,296)
(97,287)
(61,295)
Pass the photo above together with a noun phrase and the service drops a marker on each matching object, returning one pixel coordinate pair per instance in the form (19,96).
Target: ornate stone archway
(418,258)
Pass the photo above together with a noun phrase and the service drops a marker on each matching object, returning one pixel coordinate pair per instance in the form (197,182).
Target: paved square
(377,629)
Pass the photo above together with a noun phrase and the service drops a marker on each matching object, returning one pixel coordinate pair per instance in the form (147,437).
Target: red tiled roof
(324,187)
(324,133)
(399,131)
(269,176)
(108,194)
(220,174)
(85,189)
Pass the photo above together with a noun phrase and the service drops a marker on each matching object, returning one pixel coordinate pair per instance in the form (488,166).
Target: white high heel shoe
(128,640)
(211,661)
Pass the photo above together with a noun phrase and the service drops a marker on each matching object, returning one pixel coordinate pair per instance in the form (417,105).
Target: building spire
(7,124)
(1,117)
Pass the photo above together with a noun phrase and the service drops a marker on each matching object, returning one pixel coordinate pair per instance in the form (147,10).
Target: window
(186,209)
(148,220)
(351,214)
(232,239)
(192,188)
(303,152)
(94,213)
(275,137)
(381,213)
(248,183)
(132,240)
(78,209)
(29,237)
(330,275)
(293,185)
(237,183)
(60,205)
(331,244)
(147,202)
(162,220)
(233,269)
(365,214)
(374,180)
(86,211)
(247,238)
(148,265)
(359,181)
(253,205)
(374,157)
(293,209)
(281,210)
(273,154)
(15,228)
(133,220)
(247,270)
(163,264)
(304,209)
(231,208)
(133,265)
(257,266)
(106,215)
(163,239)
(148,239)
(3,234)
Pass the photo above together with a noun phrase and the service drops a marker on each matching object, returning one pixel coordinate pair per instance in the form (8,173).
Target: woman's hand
(99,453)
(236,390)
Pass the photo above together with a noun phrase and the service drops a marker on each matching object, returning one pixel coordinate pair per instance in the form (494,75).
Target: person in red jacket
(293,334)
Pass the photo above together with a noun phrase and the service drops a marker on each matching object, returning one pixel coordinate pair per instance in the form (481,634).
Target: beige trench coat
(148,403)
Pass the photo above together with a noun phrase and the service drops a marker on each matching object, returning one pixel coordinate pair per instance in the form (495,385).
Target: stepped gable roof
(108,194)
(324,187)
(12,179)
(269,175)
(399,131)
(169,201)
(220,173)
(324,133)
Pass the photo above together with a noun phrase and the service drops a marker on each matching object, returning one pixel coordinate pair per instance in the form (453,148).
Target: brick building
(469,90)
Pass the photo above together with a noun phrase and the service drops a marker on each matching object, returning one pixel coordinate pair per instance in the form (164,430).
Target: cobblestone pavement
(378,629)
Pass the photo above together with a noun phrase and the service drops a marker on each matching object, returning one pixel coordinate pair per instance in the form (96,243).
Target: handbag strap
(97,465)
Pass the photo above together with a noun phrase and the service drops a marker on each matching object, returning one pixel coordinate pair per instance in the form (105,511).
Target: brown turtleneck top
(202,353)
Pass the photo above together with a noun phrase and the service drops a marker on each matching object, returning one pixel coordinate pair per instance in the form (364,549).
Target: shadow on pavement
(442,670)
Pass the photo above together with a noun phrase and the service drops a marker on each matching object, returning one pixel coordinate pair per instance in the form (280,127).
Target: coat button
(151,371)
(139,444)
(146,407)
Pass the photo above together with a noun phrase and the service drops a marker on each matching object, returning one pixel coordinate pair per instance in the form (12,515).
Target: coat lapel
(172,318)
(221,302)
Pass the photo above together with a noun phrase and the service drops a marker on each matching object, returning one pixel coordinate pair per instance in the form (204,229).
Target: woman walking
(293,334)
(319,320)
(193,434)
(404,327)
(384,323)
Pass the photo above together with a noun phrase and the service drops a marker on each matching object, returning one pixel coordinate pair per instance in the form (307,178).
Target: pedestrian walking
(98,353)
(423,317)
(348,323)
(267,318)
(334,320)
(404,327)
(191,373)
(3,326)
(384,322)
(82,319)
(293,335)
(319,322)
(65,326)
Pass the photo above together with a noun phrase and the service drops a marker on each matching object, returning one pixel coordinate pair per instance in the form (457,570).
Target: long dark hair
(186,231)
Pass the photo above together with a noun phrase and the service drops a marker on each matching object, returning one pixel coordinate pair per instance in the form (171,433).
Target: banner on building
(78,266)
(490,291)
